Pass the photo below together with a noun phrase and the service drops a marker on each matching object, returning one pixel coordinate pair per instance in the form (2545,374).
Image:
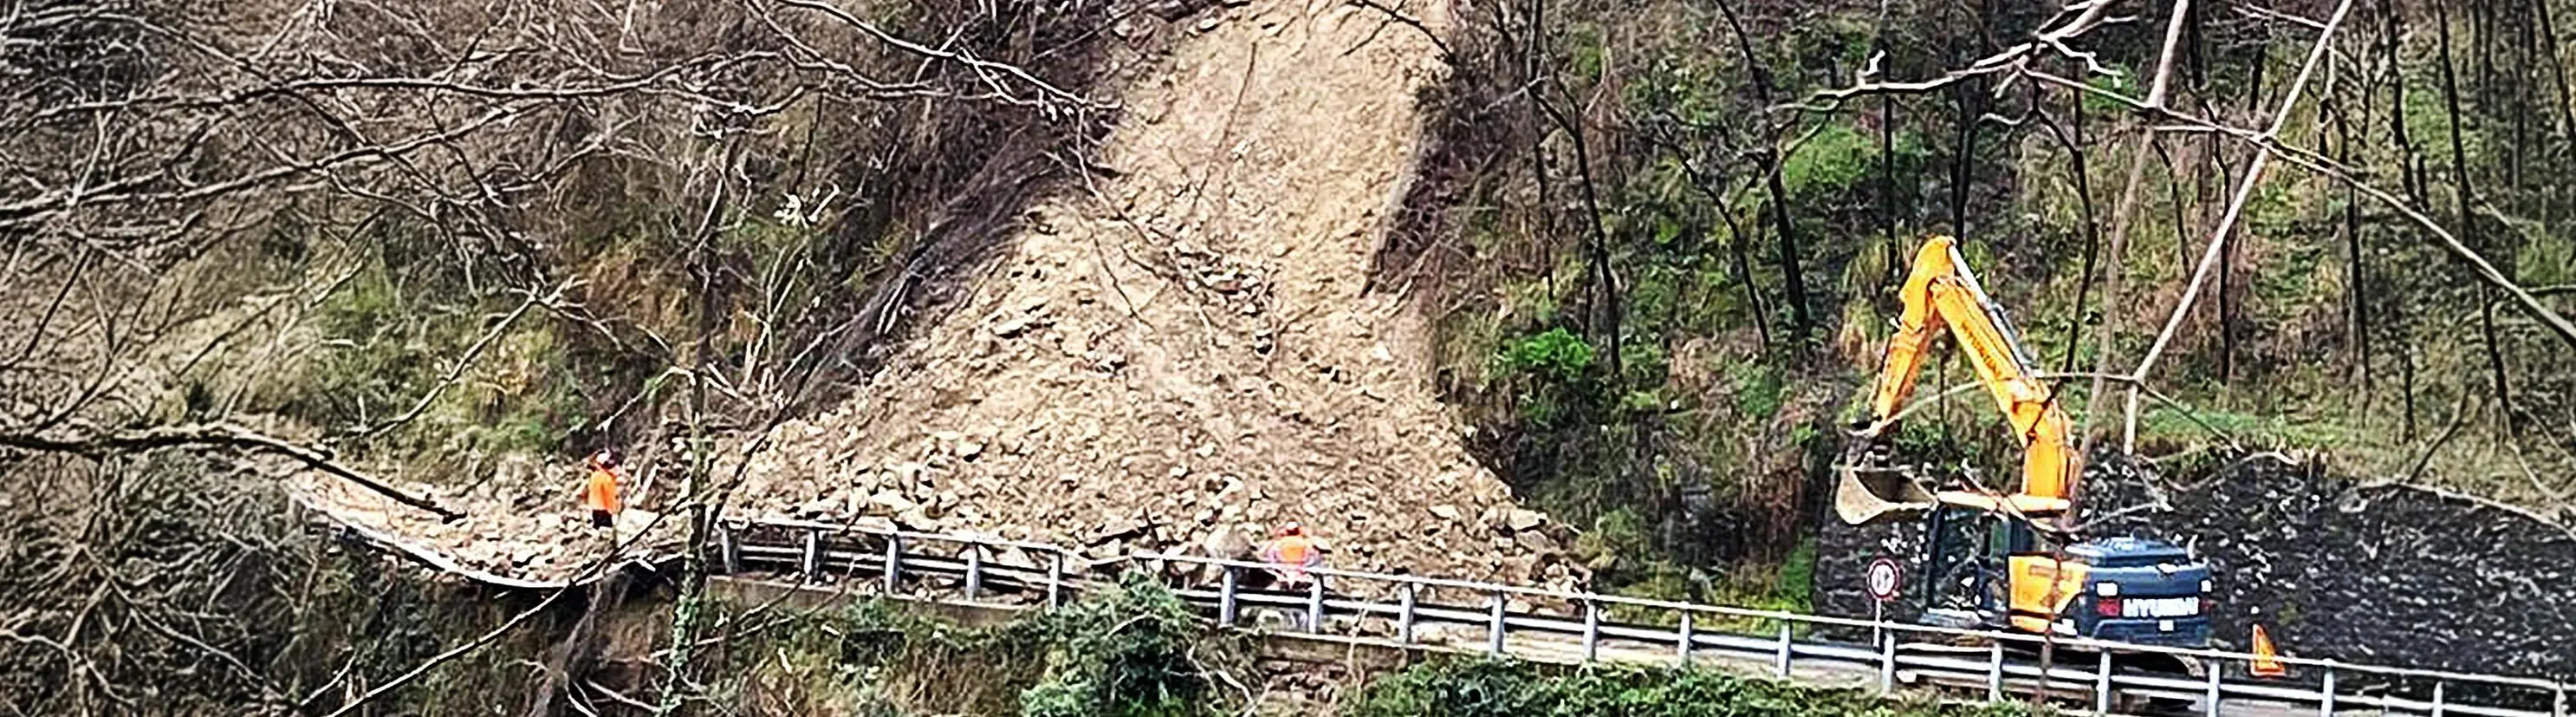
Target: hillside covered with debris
(1182,353)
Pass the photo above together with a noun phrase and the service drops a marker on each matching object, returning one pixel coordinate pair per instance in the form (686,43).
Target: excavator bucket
(1866,496)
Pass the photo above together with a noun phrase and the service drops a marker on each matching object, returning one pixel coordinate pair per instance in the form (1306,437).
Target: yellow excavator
(2025,571)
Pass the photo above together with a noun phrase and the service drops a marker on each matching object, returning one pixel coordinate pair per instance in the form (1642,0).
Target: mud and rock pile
(530,528)
(1184,354)
(1180,353)
(2368,573)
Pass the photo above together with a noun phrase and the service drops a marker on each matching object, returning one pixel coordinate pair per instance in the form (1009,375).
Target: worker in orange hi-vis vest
(1292,554)
(599,491)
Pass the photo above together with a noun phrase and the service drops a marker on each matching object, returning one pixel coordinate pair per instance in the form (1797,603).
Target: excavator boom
(1941,292)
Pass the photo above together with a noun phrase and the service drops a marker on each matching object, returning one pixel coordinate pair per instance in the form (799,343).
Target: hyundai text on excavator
(2020,566)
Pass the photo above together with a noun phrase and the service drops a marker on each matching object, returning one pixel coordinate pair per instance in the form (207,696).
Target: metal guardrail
(1407,604)
(1890,654)
(1900,650)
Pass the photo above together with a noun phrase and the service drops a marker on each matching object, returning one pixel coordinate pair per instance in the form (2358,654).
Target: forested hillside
(1553,292)
(1662,241)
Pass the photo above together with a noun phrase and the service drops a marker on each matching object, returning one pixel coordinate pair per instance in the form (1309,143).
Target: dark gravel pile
(2381,574)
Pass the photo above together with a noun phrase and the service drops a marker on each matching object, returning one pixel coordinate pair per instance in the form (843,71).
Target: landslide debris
(526,525)
(1177,353)
(1180,351)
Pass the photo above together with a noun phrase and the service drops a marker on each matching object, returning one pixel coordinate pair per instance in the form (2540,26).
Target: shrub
(1129,653)
(1557,355)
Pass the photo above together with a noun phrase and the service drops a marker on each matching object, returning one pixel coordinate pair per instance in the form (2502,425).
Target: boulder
(1119,528)
(890,502)
(1536,542)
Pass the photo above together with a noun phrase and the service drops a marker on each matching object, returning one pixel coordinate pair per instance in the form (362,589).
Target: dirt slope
(1184,346)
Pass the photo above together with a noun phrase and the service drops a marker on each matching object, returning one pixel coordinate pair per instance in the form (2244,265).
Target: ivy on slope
(1487,688)
(1137,651)
(1133,652)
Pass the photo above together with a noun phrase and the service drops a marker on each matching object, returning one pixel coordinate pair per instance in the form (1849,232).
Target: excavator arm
(1940,292)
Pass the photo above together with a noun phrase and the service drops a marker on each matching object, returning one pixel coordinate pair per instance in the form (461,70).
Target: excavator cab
(2020,568)
(1996,571)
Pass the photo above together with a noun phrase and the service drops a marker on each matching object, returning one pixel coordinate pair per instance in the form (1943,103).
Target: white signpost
(1884,581)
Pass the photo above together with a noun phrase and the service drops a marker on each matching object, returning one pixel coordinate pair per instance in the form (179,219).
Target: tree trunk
(1793,280)
(2092,234)
(2406,374)
(1735,240)
(2408,166)
(1962,162)
(2470,233)
(1597,244)
(2356,283)
(1893,254)
(692,581)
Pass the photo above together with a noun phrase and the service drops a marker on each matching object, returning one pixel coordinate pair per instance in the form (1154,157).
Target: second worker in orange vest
(1292,554)
(599,491)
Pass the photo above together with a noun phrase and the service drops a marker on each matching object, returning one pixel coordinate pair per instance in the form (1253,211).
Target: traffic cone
(2266,659)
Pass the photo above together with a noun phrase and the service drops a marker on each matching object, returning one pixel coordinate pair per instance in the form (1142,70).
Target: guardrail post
(1887,663)
(1591,631)
(1780,665)
(2212,708)
(1404,614)
(2101,684)
(1995,672)
(1225,598)
(813,563)
(728,549)
(1682,648)
(2438,707)
(974,570)
(1314,604)
(1494,629)
(893,562)
(1055,580)
(2326,698)
(2560,708)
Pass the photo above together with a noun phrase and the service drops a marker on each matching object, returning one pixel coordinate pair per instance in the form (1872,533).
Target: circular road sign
(1884,578)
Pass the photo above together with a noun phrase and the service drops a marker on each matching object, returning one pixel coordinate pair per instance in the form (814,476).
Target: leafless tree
(191,195)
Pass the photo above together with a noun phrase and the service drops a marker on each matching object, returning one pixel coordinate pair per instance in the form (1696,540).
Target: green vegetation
(1554,368)
(1132,652)
(1479,688)
(1138,652)
(388,339)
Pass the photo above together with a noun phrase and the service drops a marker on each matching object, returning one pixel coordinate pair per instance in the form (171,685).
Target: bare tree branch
(2227,221)
(95,443)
